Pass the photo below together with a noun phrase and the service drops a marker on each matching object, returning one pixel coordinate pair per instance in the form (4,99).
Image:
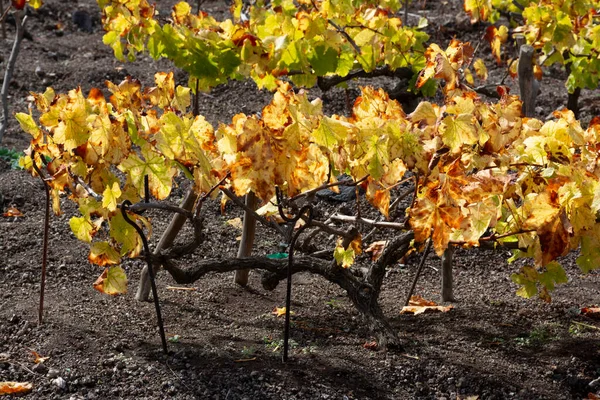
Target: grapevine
(563,32)
(485,173)
(482,172)
(303,42)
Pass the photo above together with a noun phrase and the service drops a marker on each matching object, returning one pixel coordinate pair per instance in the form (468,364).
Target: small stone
(40,368)
(52,373)
(254,374)
(60,383)
(461,382)
(83,20)
(39,72)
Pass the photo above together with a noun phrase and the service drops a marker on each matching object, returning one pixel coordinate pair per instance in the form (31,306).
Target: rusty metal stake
(288,296)
(124,206)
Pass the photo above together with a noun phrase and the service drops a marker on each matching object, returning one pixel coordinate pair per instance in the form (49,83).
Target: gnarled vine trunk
(248,230)
(166,241)
(363,292)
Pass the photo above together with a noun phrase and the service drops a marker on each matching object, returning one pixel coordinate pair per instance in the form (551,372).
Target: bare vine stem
(242,205)
(421,264)
(345,182)
(294,237)
(10,67)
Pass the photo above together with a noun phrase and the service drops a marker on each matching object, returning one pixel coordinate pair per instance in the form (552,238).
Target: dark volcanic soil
(225,343)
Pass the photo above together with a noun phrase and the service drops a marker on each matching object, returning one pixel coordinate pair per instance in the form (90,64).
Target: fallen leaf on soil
(235,222)
(410,356)
(419,301)
(592,396)
(467,398)
(15,388)
(13,212)
(376,249)
(38,358)
(191,289)
(280,311)
(592,312)
(418,305)
(371,345)
(245,359)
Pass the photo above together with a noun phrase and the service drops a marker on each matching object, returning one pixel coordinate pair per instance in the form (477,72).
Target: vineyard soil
(225,341)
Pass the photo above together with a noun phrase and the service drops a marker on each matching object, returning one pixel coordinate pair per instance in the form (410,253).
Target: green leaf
(28,124)
(113,281)
(156,167)
(554,274)
(344,258)
(82,228)
(125,235)
(527,279)
(330,132)
(323,59)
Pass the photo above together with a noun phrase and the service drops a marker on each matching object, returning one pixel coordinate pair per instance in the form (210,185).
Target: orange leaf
(376,249)
(496,37)
(15,388)
(555,237)
(371,345)
(13,212)
(416,310)
(38,359)
(592,312)
(418,305)
(417,300)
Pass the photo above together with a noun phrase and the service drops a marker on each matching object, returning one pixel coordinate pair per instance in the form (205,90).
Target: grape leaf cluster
(302,40)
(484,171)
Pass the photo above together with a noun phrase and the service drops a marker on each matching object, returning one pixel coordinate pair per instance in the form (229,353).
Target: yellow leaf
(82,228)
(102,253)
(72,130)
(235,222)
(478,10)
(458,131)
(111,195)
(280,311)
(28,125)
(113,281)
(480,69)
(344,257)
(156,167)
